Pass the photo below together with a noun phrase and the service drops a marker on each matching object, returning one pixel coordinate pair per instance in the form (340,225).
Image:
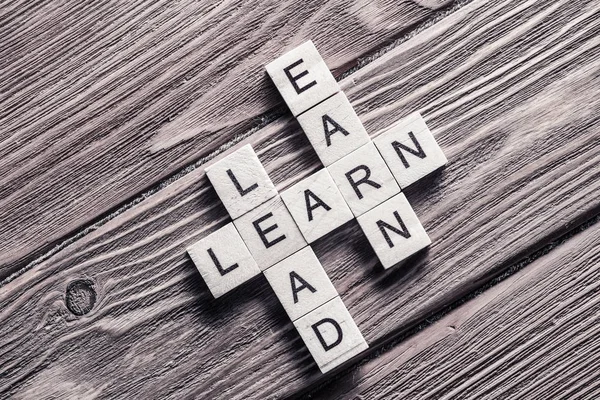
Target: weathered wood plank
(510,89)
(101,99)
(535,335)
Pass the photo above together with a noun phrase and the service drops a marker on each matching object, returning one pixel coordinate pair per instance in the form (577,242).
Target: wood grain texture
(102,99)
(509,89)
(535,335)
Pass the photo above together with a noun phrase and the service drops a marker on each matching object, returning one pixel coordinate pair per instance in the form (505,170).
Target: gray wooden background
(110,110)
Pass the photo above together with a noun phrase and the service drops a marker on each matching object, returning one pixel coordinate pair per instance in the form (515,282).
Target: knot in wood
(80,296)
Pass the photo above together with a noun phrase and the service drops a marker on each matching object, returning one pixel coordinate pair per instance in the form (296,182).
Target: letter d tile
(331,335)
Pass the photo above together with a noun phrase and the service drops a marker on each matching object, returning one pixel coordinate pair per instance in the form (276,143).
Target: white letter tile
(223,260)
(300,283)
(241,181)
(364,179)
(394,231)
(316,205)
(410,150)
(331,335)
(270,233)
(333,128)
(302,78)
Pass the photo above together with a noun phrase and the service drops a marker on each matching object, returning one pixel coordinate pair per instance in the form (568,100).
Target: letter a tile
(300,283)
(302,78)
(410,150)
(331,335)
(241,181)
(223,260)
(316,205)
(270,233)
(333,129)
(394,231)
(364,179)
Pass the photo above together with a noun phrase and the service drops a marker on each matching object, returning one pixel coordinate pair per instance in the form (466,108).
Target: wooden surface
(509,89)
(102,99)
(535,335)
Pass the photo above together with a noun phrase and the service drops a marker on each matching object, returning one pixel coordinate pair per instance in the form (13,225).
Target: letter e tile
(223,260)
(270,233)
(331,335)
(302,78)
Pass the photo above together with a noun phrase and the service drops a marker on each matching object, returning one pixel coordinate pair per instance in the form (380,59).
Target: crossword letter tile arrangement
(362,178)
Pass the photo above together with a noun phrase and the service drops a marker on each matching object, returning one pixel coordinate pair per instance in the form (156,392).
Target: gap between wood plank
(517,179)
(263,120)
(433,318)
(156,119)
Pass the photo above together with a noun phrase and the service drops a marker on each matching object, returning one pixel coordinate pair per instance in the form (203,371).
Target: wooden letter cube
(364,179)
(316,205)
(270,233)
(394,231)
(302,78)
(331,335)
(300,283)
(333,129)
(409,149)
(223,260)
(241,181)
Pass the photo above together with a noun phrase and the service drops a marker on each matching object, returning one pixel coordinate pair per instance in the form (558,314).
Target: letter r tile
(364,179)
(300,283)
(331,335)
(223,260)
(270,233)
(241,181)
(302,78)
